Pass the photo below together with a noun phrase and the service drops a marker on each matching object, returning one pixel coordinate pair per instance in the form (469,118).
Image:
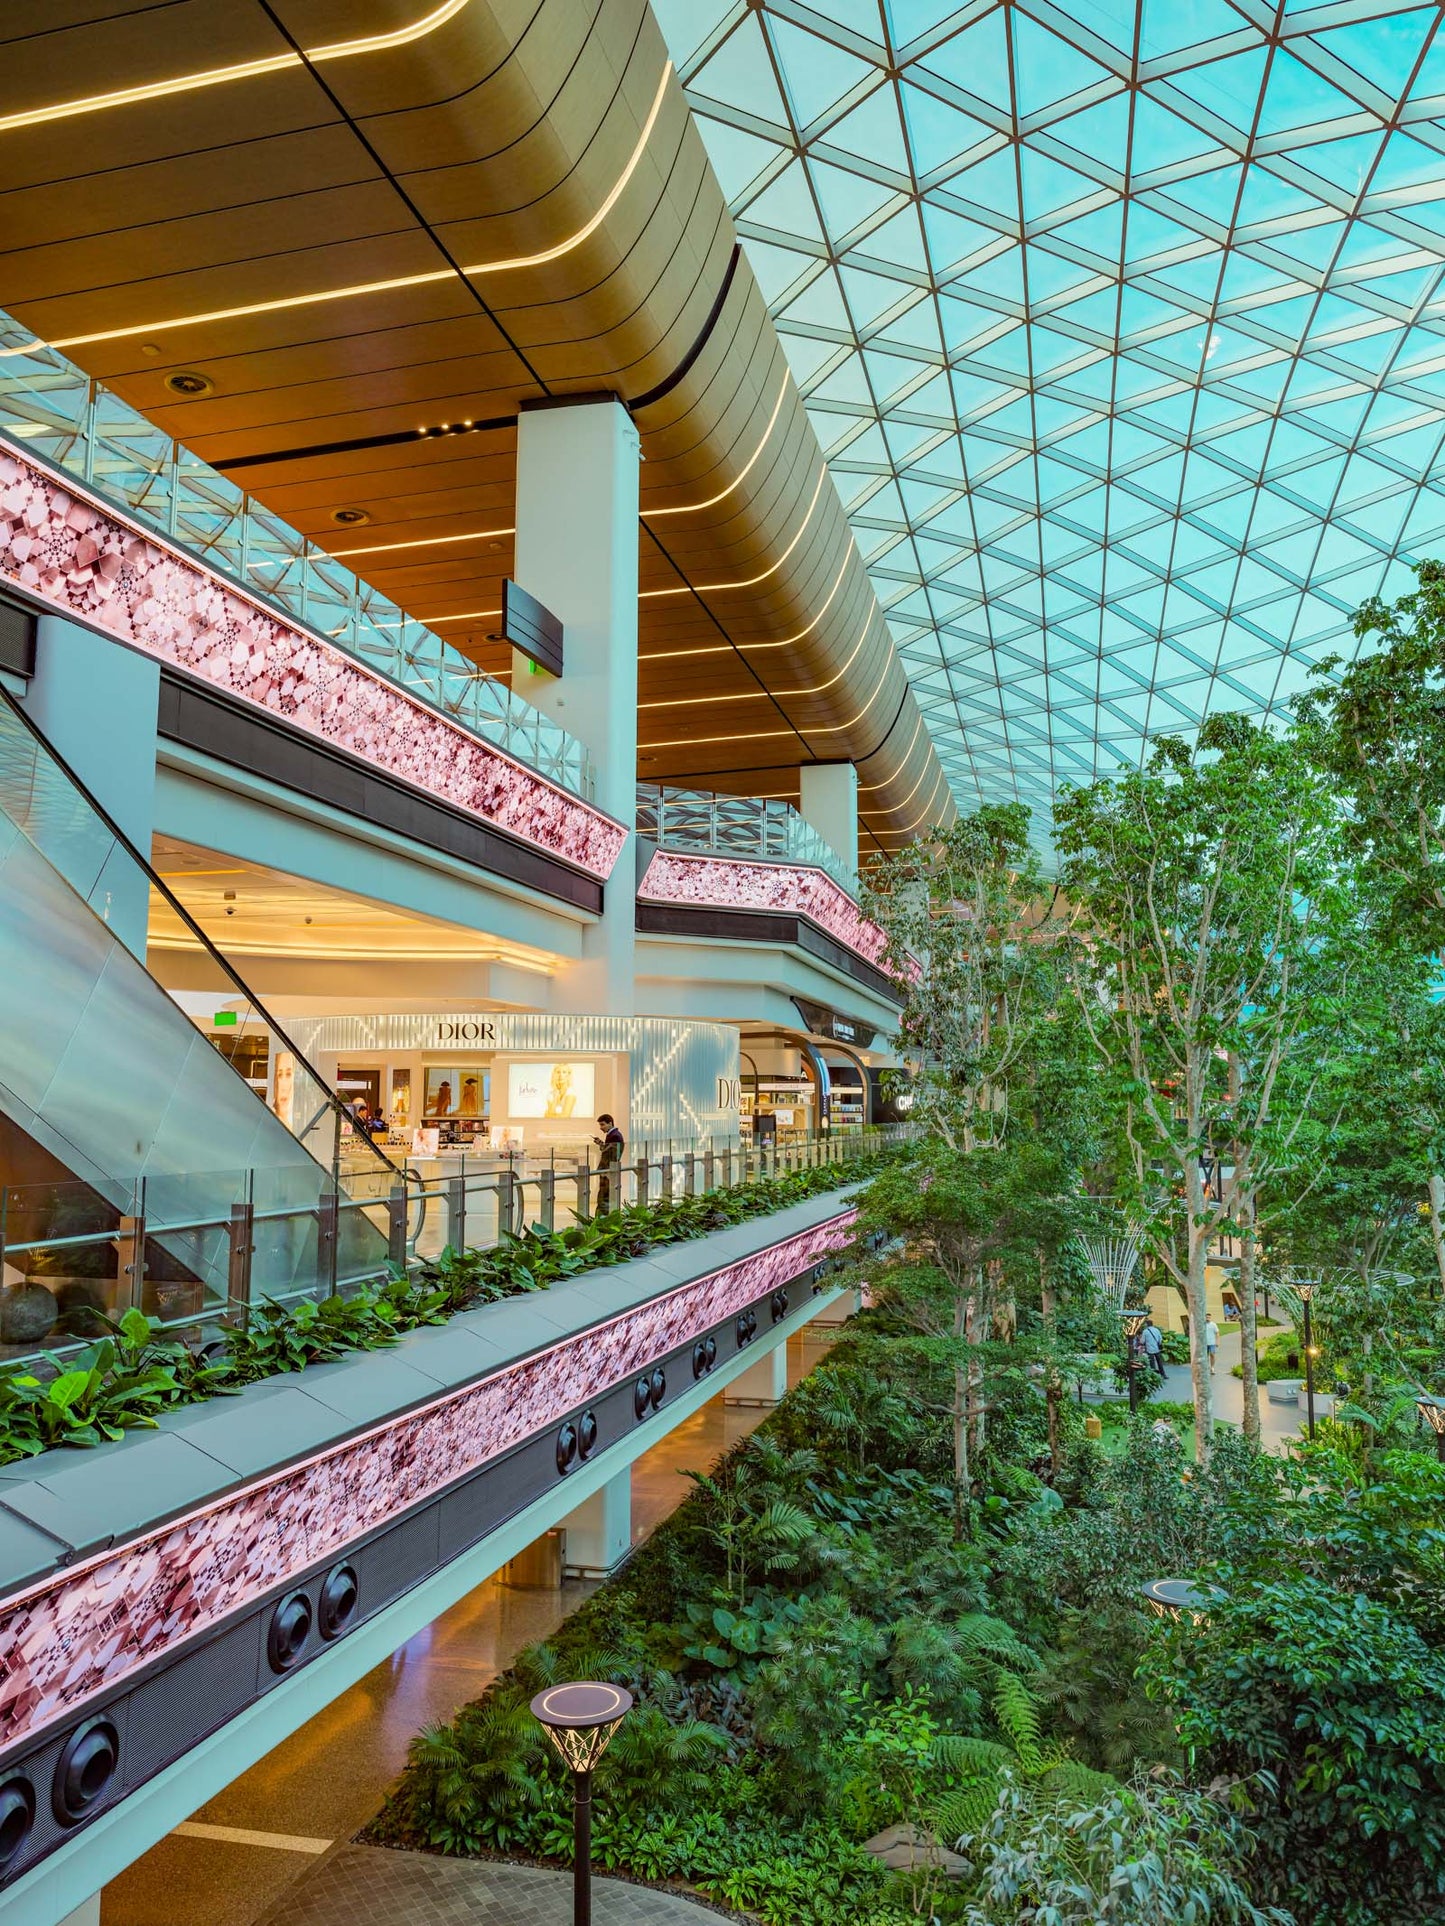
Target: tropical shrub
(135,1372)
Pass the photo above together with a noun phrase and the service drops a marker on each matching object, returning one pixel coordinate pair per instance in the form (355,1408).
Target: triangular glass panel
(816,72)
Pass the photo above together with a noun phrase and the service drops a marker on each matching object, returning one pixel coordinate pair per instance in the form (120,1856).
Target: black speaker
(642,1397)
(566,1447)
(587,1433)
(17,1816)
(289,1630)
(84,1770)
(659,1386)
(336,1606)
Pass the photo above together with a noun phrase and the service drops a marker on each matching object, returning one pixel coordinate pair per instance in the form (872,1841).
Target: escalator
(132,1149)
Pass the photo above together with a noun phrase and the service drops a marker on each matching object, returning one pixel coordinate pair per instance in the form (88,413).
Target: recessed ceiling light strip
(396,282)
(241,70)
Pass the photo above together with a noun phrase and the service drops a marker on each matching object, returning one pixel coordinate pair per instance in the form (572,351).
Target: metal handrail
(757,828)
(492,1204)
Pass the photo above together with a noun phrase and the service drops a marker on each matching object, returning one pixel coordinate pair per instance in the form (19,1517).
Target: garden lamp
(1432,1410)
(580,1719)
(1306,1290)
(1173,1597)
(1134,1321)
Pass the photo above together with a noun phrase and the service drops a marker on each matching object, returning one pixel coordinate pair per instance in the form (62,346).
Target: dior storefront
(451,1079)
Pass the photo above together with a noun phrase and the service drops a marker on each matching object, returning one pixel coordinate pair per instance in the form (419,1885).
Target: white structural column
(96,702)
(765,1382)
(86,1915)
(599,1532)
(576,551)
(829,803)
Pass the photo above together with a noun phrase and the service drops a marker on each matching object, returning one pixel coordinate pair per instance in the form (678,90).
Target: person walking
(1152,1340)
(611,1145)
(1211,1342)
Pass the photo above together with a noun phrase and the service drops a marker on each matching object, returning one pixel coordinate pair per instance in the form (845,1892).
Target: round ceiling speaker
(17,1816)
(85,1768)
(340,1596)
(289,1630)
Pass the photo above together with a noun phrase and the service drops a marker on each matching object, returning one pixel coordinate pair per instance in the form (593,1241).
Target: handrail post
(689,1175)
(506,1203)
(457,1213)
(547,1198)
(396,1225)
(665,1165)
(328,1217)
(242,1239)
(584,1190)
(643,1176)
(708,1173)
(130,1245)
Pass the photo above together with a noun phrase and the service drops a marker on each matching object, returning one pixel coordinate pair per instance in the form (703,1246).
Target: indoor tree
(1206,885)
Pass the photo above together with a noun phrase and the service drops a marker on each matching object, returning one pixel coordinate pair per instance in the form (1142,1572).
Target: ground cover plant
(134,1373)
(823,1645)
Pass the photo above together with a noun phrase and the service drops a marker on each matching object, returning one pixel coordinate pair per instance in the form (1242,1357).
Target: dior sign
(729,1093)
(467,1030)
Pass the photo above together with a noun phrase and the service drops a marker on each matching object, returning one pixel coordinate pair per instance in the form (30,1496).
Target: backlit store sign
(467,1030)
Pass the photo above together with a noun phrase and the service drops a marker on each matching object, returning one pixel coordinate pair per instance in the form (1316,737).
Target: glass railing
(72,1258)
(761,828)
(50,408)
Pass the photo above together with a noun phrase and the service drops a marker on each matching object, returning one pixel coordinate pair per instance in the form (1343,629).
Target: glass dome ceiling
(1122,325)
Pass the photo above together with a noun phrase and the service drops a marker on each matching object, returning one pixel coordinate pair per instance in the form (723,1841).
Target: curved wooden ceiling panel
(376,226)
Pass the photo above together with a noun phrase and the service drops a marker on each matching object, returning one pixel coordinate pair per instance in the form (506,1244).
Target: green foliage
(1324,1666)
(1138,1856)
(132,1375)
(122,1383)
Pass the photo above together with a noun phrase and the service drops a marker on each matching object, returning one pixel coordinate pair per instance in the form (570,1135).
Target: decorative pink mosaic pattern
(718,883)
(93,1625)
(85,561)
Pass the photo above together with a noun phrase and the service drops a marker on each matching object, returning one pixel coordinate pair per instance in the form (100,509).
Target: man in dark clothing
(611,1145)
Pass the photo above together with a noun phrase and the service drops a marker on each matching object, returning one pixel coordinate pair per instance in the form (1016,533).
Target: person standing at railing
(611,1145)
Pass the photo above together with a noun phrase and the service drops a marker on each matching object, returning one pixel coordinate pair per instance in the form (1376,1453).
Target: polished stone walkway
(366,1886)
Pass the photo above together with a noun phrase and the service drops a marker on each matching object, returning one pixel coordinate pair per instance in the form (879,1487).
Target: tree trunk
(1053,1384)
(960,1418)
(1248,1327)
(1198,1313)
(1437,1223)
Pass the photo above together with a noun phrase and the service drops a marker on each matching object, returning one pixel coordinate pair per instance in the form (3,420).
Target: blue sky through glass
(1122,325)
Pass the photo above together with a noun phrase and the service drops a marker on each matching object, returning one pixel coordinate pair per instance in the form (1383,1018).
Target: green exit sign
(225,1019)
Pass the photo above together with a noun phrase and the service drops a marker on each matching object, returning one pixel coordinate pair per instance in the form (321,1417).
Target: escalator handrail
(173,902)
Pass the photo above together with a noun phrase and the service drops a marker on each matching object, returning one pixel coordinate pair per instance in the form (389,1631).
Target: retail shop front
(449,1081)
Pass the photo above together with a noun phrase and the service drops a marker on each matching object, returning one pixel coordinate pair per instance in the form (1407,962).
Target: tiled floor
(361,1886)
(327,1780)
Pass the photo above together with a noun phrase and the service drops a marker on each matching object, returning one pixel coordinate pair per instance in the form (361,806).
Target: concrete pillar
(828,802)
(86,1915)
(765,1382)
(96,703)
(599,1532)
(576,551)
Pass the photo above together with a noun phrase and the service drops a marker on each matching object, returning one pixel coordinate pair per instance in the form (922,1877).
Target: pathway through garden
(1280,1424)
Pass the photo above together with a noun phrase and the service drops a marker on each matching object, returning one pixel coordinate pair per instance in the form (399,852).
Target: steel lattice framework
(1122,326)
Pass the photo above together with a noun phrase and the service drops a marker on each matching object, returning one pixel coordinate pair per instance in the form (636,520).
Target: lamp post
(1432,1410)
(1306,1292)
(581,1718)
(1134,1322)
(1173,1597)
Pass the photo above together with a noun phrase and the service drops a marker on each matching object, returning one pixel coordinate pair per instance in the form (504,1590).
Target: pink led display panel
(88,1628)
(85,561)
(717,883)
